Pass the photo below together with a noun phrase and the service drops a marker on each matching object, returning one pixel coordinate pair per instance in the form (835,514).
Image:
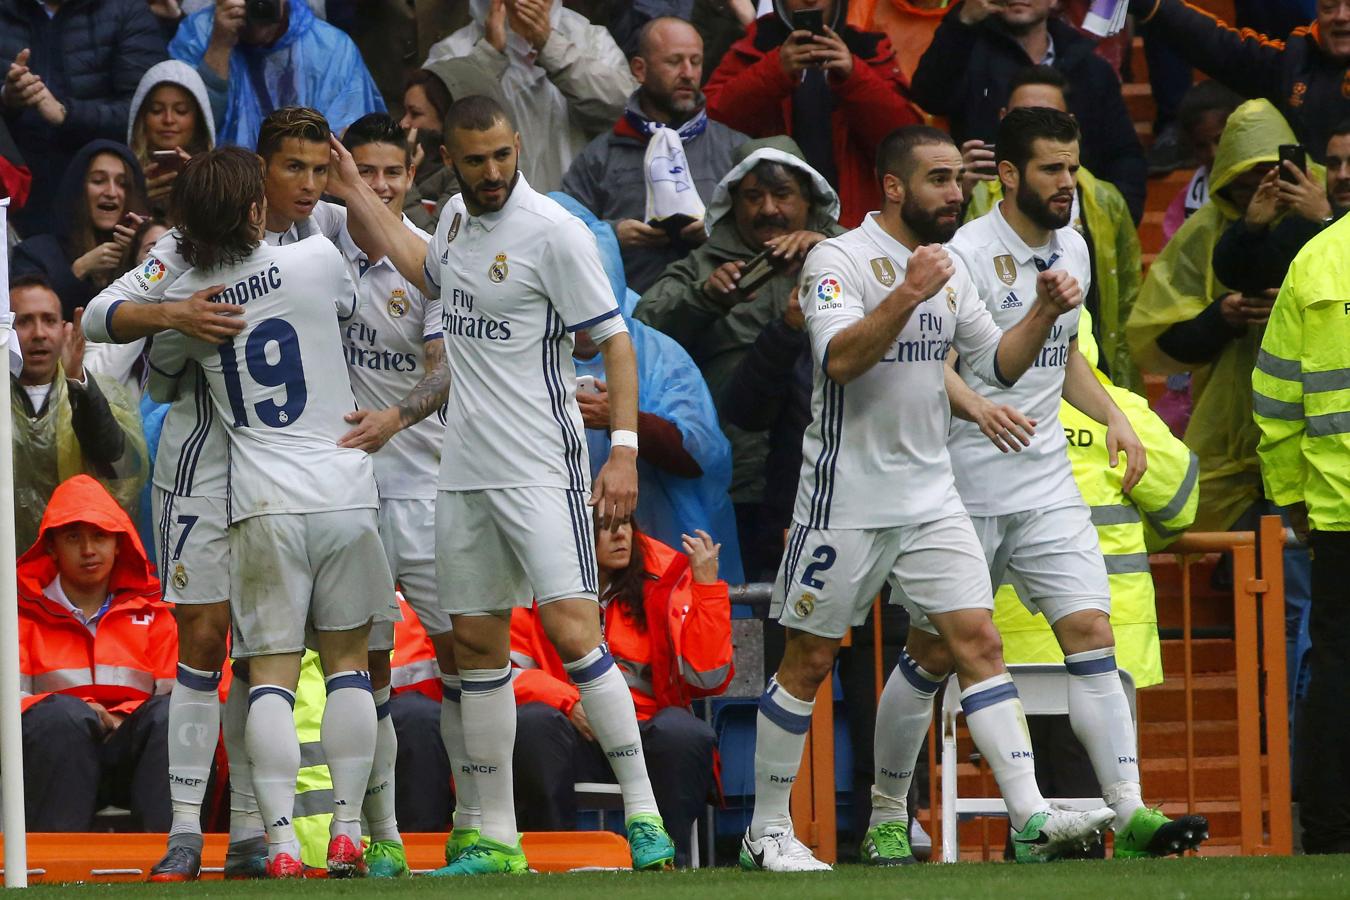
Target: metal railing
(1262,705)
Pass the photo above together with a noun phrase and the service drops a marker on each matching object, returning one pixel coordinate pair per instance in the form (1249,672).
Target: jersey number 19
(288,371)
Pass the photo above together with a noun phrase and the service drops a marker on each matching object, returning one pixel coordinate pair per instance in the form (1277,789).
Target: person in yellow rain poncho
(1301,395)
(1186,320)
(1102,217)
(1129,526)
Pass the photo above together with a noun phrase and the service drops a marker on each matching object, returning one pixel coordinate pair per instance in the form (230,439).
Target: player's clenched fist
(929,268)
(1059,289)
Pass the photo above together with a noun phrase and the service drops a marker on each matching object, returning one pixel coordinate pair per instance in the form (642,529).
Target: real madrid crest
(951,297)
(498,271)
(454,228)
(398,303)
(180,577)
(884,271)
(805,604)
(1006,269)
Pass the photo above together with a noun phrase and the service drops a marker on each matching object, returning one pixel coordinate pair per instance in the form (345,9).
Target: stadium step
(1164,740)
(1209,656)
(1214,698)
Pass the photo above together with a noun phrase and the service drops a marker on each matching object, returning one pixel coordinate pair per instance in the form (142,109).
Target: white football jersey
(875,453)
(190,460)
(513,286)
(281,384)
(327,219)
(385,347)
(1004,270)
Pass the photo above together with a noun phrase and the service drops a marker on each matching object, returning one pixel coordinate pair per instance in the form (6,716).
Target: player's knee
(202,635)
(377,662)
(979,648)
(930,652)
(1085,630)
(806,664)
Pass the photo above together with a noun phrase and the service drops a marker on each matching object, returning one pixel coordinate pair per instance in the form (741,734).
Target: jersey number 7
(288,372)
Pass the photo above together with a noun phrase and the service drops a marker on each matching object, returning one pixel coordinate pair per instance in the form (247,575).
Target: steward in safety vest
(1129,526)
(1301,403)
(97,657)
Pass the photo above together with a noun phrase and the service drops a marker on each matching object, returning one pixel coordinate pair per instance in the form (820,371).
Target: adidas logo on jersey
(1012,301)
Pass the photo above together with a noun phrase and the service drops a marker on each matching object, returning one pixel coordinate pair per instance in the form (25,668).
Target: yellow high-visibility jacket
(1301,385)
(1159,508)
(314,786)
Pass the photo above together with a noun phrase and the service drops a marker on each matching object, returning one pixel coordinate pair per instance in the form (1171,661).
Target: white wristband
(623,439)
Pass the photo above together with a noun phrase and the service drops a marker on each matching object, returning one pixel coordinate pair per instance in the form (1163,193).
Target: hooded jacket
(91,54)
(132,654)
(671,388)
(609,179)
(51,254)
(966,72)
(1306,85)
(1181,285)
(684,651)
(560,97)
(312,64)
(717,337)
(750,93)
(171,71)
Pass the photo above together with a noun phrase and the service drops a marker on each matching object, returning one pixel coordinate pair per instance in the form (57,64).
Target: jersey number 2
(824,557)
(288,372)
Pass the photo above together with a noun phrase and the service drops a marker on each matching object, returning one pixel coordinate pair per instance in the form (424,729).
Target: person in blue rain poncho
(252,68)
(683,481)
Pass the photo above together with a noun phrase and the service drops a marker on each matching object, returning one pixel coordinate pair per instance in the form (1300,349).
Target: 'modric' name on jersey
(385,345)
(280,384)
(875,453)
(514,285)
(1004,270)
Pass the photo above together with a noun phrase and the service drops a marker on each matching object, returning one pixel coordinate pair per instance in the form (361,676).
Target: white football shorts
(193,547)
(1050,556)
(408,531)
(830,576)
(506,547)
(290,572)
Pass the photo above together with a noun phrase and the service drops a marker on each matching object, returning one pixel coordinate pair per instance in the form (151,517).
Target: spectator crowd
(709,146)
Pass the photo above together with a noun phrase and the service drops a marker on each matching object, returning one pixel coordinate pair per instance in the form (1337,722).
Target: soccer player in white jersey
(190,492)
(877,499)
(305,552)
(1035,528)
(516,275)
(396,360)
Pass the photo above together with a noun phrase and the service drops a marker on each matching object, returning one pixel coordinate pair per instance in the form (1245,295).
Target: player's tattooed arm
(373,428)
(431,392)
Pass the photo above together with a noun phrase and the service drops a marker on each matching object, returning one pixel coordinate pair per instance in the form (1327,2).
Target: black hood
(773,28)
(71,192)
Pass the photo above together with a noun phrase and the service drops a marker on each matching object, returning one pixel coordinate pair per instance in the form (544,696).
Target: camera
(262,12)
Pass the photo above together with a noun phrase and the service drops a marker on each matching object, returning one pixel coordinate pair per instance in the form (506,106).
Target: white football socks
(348,736)
(488,713)
(608,705)
(245,819)
(378,805)
(274,751)
(780,738)
(194,729)
(998,726)
(903,715)
(1099,713)
(468,810)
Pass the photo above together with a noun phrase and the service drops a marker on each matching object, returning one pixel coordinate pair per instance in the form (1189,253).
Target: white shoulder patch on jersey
(150,273)
(829,291)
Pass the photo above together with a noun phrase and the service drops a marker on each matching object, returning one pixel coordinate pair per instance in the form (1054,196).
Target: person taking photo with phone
(170,122)
(801,70)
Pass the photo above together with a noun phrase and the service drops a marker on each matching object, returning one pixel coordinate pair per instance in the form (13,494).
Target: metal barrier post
(1246,590)
(1271,537)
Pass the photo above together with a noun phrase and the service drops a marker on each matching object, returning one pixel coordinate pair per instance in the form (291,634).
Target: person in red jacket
(97,654)
(837,94)
(667,621)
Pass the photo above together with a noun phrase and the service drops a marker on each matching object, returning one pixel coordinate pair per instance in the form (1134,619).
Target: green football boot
(459,840)
(887,844)
(486,857)
(649,843)
(1047,835)
(1150,833)
(386,859)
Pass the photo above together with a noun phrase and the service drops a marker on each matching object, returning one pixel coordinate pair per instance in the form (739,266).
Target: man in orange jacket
(97,650)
